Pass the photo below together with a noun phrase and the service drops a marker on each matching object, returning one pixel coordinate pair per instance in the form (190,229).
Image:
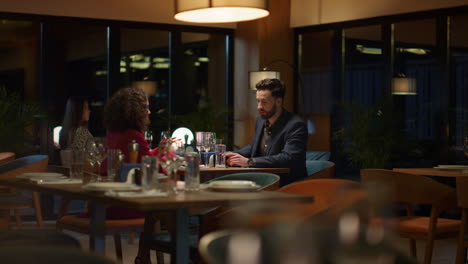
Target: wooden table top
(433,172)
(174,201)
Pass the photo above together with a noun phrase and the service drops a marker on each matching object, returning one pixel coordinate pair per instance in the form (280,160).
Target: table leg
(97,227)
(182,237)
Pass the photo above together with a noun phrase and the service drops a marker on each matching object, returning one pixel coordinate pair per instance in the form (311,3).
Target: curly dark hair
(127,109)
(275,86)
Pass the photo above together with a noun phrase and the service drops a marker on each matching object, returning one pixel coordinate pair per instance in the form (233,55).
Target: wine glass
(199,137)
(149,137)
(100,153)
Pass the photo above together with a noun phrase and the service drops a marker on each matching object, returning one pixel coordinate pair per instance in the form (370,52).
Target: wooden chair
(415,189)
(80,223)
(209,218)
(14,200)
(328,194)
(6,157)
(462,196)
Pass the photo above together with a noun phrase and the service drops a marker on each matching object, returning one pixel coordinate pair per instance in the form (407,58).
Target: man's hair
(126,109)
(275,86)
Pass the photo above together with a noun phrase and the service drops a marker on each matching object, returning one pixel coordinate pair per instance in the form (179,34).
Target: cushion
(317,155)
(314,166)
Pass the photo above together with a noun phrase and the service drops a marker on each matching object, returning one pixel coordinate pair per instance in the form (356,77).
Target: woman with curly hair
(126,117)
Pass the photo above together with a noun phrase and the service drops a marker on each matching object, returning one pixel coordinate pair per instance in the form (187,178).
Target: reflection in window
(144,63)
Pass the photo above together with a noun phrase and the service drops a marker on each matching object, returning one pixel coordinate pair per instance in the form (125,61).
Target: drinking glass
(165,134)
(113,164)
(149,137)
(149,170)
(77,161)
(220,150)
(192,171)
(199,137)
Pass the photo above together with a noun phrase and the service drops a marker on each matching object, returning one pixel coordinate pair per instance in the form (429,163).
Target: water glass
(113,164)
(77,162)
(149,172)
(192,171)
(220,150)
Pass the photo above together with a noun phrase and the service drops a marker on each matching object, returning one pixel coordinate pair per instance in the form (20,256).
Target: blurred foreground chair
(462,196)
(80,223)
(411,190)
(16,200)
(208,218)
(6,157)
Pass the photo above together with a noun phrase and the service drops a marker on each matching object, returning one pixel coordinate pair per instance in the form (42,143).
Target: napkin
(151,193)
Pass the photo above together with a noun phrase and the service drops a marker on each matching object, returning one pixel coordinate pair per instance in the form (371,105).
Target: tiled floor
(444,251)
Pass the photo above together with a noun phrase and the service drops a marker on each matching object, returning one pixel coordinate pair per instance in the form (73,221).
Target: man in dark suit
(280,137)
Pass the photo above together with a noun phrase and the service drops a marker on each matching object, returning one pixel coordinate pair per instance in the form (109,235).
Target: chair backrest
(412,189)
(33,163)
(316,166)
(462,191)
(212,247)
(267,181)
(327,193)
(6,157)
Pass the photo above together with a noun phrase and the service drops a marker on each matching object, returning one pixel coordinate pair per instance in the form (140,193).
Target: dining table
(435,172)
(179,203)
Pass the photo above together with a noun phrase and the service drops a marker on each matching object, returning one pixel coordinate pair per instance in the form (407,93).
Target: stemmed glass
(149,137)
(96,153)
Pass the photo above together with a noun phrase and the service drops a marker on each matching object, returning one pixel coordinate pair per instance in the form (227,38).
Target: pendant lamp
(219,11)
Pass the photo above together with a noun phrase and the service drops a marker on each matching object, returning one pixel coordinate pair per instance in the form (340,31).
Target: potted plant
(16,118)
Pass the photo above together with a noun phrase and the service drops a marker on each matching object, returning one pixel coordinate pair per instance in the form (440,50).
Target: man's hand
(235,159)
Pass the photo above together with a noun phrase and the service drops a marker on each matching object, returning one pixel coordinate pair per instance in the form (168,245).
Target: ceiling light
(219,11)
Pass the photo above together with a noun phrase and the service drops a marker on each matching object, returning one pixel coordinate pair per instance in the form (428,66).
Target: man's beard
(269,114)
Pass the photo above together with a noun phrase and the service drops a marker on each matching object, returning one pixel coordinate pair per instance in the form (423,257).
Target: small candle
(180,185)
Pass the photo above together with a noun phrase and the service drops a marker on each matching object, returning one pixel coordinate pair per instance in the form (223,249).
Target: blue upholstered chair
(318,165)
(18,200)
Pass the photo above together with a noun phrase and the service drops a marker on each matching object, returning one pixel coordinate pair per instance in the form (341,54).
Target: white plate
(451,167)
(41,175)
(233,186)
(107,186)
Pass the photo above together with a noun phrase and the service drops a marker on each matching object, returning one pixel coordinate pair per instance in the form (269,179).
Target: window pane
(415,48)
(75,65)
(459,59)
(144,63)
(200,98)
(363,65)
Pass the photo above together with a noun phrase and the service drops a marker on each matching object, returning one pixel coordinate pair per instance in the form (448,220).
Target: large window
(182,68)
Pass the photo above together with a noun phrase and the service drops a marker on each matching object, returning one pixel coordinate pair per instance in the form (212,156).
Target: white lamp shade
(180,133)
(256,76)
(403,86)
(148,86)
(219,11)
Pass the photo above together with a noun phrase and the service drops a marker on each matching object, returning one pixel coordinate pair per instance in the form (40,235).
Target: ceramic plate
(451,167)
(233,186)
(41,175)
(110,186)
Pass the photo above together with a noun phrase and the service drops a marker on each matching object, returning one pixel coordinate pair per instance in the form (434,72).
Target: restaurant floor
(444,251)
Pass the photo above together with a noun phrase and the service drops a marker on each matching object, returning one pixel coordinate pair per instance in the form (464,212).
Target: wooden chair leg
(4,219)
(143,255)
(37,208)
(461,253)
(159,257)
(428,253)
(412,244)
(131,238)
(17,217)
(118,246)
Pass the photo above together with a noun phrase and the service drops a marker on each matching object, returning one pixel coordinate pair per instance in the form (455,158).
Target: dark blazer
(287,147)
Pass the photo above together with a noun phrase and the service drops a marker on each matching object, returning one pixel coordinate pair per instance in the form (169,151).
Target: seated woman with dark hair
(126,117)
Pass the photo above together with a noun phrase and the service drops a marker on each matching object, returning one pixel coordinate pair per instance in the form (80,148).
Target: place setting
(48,178)
(231,186)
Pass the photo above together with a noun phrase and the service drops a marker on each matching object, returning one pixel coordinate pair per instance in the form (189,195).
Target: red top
(121,140)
